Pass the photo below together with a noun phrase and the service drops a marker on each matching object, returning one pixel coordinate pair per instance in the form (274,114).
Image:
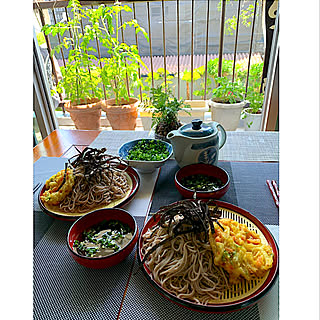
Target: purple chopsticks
(273,187)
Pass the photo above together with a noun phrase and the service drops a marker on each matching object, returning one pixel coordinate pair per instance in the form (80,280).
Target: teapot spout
(178,144)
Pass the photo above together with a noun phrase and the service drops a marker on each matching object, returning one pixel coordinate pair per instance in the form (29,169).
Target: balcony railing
(184,35)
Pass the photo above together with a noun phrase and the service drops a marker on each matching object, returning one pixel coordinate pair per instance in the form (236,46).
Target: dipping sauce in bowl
(103,239)
(206,180)
(201,182)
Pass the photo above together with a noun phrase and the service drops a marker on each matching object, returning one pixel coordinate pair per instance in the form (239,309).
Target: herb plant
(228,91)
(80,77)
(255,74)
(148,150)
(165,107)
(120,71)
(226,68)
(255,99)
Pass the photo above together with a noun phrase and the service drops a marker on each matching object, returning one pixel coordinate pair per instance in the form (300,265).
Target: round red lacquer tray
(250,294)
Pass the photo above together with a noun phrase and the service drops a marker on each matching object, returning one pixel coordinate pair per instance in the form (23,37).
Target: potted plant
(80,76)
(252,115)
(227,102)
(145,111)
(119,73)
(165,108)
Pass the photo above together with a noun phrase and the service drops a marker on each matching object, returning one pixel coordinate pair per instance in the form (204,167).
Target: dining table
(63,289)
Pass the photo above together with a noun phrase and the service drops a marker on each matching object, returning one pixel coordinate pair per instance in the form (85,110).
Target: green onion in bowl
(146,154)
(148,150)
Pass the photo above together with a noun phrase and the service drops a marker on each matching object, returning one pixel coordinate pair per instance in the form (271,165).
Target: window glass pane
(36,130)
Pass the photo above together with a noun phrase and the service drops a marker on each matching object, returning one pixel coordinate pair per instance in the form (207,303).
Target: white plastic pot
(146,119)
(252,121)
(228,115)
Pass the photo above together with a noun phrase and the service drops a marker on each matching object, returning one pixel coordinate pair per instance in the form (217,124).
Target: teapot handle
(223,136)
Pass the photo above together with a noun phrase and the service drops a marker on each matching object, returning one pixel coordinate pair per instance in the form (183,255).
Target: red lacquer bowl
(208,170)
(89,220)
(244,299)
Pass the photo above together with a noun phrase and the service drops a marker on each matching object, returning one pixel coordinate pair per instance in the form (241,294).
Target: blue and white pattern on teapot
(197,142)
(208,152)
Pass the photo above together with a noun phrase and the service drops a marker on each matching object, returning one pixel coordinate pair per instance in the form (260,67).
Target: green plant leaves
(186,75)
(165,106)
(120,73)
(82,78)
(228,91)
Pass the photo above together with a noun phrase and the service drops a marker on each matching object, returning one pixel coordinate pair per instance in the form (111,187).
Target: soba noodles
(198,256)
(111,185)
(184,266)
(94,180)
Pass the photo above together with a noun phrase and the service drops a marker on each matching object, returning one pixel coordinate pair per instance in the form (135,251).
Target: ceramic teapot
(197,142)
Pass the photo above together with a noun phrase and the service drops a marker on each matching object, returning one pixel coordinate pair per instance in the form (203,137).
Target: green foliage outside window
(119,73)
(40,38)
(82,75)
(246,15)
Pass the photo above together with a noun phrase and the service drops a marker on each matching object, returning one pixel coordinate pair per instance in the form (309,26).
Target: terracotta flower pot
(86,116)
(124,116)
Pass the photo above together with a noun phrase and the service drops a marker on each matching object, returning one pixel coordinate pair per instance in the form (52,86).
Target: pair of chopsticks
(273,187)
(36,187)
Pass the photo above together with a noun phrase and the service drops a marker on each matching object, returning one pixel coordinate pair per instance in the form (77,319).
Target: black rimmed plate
(247,292)
(53,211)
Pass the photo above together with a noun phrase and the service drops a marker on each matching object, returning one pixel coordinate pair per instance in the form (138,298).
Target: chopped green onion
(148,150)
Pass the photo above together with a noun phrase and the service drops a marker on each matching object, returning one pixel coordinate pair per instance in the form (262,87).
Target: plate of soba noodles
(208,255)
(90,181)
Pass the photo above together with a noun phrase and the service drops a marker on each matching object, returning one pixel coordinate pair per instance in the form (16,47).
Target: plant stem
(117,38)
(76,45)
(188,91)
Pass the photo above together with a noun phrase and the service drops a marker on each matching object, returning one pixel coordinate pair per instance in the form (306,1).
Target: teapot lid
(196,129)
